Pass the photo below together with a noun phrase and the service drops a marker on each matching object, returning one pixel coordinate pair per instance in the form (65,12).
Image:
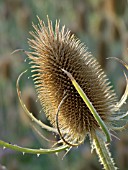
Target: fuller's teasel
(53,52)
(74,92)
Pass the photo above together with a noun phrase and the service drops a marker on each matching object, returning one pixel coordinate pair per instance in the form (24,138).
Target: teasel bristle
(54,50)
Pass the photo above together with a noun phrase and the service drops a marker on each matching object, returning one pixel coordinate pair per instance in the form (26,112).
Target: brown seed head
(57,50)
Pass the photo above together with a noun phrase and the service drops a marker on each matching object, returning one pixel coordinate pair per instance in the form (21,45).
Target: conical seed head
(53,51)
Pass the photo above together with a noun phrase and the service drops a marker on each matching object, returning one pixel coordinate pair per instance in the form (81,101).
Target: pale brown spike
(57,50)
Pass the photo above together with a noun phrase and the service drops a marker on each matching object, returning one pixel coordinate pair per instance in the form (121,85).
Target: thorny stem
(32,151)
(103,153)
(90,106)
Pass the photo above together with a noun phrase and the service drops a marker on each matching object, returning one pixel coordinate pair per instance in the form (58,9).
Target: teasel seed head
(53,51)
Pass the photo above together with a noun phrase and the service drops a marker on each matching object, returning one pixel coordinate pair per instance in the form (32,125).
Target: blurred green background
(103,26)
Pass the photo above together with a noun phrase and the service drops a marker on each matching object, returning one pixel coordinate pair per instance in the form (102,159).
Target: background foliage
(103,26)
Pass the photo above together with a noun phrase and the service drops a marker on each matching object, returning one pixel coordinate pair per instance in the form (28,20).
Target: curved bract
(31,151)
(30,115)
(90,106)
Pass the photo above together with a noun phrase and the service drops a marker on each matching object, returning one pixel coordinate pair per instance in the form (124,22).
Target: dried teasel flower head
(52,53)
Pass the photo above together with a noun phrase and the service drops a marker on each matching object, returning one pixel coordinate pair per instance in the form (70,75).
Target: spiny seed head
(53,51)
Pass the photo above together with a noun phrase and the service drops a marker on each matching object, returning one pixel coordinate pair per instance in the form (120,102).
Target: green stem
(103,153)
(90,106)
(31,151)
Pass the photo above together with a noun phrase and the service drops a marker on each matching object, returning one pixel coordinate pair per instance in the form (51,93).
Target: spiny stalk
(103,153)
